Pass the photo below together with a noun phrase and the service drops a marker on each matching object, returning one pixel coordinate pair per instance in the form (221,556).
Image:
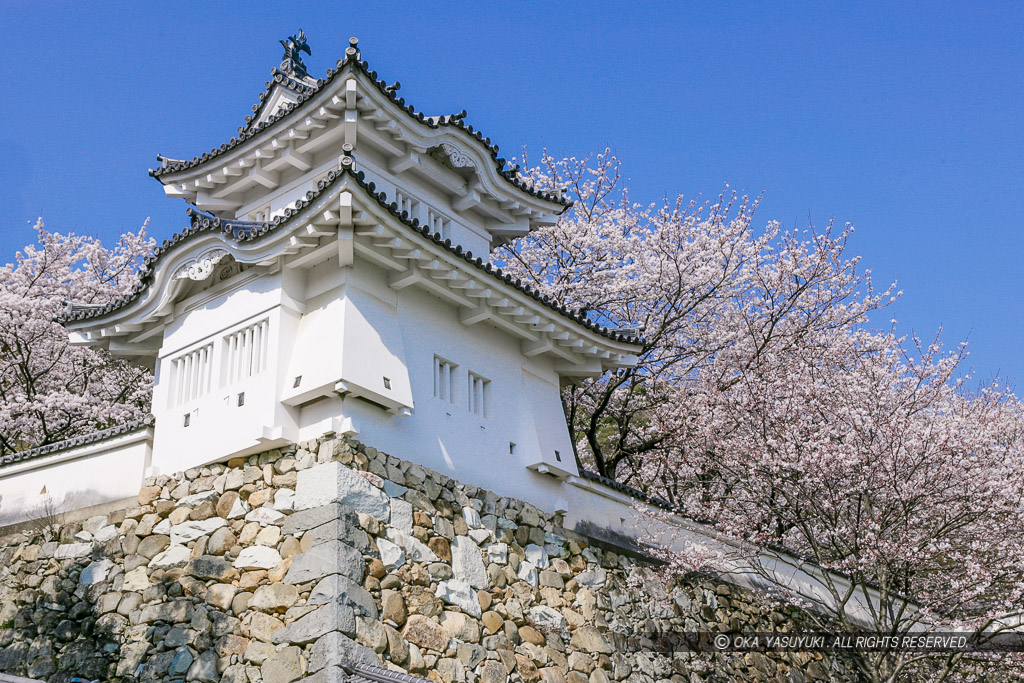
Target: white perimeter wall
(78,477)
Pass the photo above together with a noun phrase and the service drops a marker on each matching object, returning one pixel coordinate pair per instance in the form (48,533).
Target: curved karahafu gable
(318,228)
(349,97)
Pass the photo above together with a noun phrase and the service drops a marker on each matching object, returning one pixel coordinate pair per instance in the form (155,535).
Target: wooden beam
(404,163)
(472,316)
(406,279)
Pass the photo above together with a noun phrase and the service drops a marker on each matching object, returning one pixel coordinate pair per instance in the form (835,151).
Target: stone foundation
(300,561)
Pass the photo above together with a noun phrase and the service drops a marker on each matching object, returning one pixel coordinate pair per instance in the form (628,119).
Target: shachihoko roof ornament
(294,46)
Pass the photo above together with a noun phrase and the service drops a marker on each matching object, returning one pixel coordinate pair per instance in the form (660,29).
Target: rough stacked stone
(296,562)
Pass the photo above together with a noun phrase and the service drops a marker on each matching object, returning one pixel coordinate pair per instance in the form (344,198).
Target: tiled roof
(366,673)
(75,442)
(281,78)
(628,490)
(352,57)
(668,507)
(242,231)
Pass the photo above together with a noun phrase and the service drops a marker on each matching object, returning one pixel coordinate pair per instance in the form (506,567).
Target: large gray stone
(210,567)
(180,663)
(190,531)
(528,573)
(332,482)
(538,555)
(338,588)
(331,557)
(274,596)
(150,546)
(467,562)
(592,578)
(547,617)
(175,556)
(391,555)
(258,557)
(343,531)
(204,668)
(497,553)
(283,667)
(401,515)
(415,550)
(589,639)
(72,551)
(302,521)
(322,620)
(172,612)
(197,499)
(461,594)
(96,571)
(265,516)
(336,649)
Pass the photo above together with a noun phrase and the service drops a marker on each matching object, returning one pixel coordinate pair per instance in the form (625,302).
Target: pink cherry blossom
(766,403)
(50,390)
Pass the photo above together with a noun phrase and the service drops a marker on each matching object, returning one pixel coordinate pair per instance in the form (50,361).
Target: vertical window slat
(191,375)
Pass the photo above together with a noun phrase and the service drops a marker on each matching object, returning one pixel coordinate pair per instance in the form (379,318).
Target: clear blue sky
(906,119)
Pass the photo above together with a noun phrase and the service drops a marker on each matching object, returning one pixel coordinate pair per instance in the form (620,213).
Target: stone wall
(300,561)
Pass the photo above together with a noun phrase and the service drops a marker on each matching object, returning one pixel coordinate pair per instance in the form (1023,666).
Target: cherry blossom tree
(695,279)
(763,402)
(50,390)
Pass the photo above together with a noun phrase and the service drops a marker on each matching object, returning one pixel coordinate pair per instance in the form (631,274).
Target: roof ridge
(280,78)
(352,58)
(72,442)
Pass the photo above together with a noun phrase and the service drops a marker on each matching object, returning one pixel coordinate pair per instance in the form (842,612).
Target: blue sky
(902,118)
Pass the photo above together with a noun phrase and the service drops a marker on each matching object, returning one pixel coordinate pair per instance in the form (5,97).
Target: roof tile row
(74,442)
(243,231)
(352,57)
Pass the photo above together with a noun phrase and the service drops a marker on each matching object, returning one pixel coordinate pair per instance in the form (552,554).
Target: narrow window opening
(187,420)
(297,382)
(387,383)
(478,395)
(511,448)
(558,456)
(245,352)
(241,398)
(444,378)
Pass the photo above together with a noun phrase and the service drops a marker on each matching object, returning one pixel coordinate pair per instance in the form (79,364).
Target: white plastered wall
(523,413)
(78,477)
(239,411)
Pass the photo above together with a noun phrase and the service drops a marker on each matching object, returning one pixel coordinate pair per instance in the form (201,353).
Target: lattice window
(439,224)
(245,352)
(192,373)
(405,203)
(478,395)
(444,379)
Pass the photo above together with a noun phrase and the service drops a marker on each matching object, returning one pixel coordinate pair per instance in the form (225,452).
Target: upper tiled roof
(305,93)
(74,442)
(242,231)
(281,78)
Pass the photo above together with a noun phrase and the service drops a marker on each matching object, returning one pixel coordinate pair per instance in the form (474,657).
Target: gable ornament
(202,267)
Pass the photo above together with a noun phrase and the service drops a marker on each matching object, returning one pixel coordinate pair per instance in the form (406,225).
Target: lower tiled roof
(76,441)
(242,231)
